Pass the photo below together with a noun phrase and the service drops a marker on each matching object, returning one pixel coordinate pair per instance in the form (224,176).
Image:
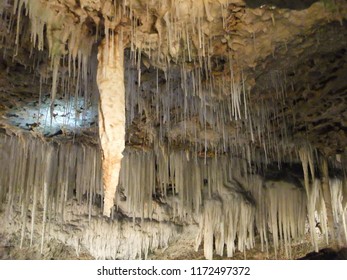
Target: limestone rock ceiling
(271,66)
(315,98)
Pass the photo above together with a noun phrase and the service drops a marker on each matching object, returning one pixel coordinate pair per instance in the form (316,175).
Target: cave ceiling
(213,75)
(214,90)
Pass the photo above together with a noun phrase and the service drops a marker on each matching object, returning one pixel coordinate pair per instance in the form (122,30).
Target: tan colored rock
(110,79)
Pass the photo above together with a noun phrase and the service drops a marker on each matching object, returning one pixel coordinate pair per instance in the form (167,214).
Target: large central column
(110,79)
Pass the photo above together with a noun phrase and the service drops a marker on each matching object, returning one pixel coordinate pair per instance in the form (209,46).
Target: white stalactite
(110,79)
(327,198)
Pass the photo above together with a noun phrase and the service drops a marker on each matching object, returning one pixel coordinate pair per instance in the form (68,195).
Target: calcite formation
(142,126)
(110,80)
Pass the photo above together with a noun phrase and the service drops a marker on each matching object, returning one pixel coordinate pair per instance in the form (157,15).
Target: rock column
(110,80)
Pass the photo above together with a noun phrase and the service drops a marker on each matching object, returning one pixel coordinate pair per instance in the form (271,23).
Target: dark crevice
(283,4)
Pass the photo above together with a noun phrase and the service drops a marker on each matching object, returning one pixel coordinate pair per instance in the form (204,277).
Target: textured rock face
(214,95)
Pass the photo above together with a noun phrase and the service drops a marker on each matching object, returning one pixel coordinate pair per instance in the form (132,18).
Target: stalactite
(229,204)
(327,198)
(106,241)
(306,157)
(339,210)
(57,33)
(59,175)
(110,79)
(287,214)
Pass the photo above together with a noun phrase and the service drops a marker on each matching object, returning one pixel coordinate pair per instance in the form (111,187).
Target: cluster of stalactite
(56,186)
(212,180)
(67,56)
(186,104)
